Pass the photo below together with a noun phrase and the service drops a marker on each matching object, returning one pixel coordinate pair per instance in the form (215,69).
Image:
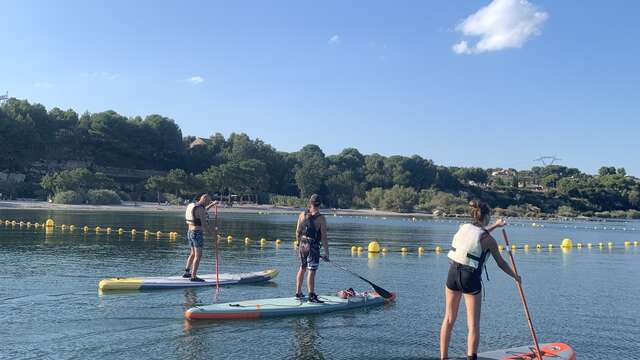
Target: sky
(464,83)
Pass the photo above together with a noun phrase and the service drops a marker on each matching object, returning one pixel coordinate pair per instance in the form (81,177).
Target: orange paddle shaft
(524,301)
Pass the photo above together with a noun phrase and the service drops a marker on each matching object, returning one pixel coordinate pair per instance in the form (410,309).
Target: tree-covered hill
(46,153)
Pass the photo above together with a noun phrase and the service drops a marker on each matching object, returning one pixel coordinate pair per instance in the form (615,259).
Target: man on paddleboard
(311,232)
(469,249)
(198,223)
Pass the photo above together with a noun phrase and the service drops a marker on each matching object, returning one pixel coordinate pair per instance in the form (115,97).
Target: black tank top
(309,229)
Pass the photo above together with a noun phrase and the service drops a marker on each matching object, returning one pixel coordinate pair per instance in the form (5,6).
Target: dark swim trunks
(196,238)
(309,254)
(464,278)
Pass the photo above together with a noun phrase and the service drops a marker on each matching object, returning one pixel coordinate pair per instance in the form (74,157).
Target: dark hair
(201,196)
(314,200)
(478,211)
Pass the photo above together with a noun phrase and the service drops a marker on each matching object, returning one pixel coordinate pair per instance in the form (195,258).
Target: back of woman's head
(479,211)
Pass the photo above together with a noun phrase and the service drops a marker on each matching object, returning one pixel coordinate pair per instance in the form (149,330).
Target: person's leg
(452,303)
(299,278)
(192,254)
(196,261)
(311,281)
(473,304)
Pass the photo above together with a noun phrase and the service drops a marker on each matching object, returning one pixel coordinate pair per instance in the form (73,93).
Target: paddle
(524,301)
(382,292)
(216,242)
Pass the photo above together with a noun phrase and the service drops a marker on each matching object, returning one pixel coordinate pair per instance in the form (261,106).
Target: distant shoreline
(131,206)
(155,207)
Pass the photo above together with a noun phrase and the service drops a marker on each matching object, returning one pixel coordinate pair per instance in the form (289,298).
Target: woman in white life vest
(469,249)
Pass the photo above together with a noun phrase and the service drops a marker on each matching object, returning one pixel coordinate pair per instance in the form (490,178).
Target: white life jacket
(189,215)
(465,247)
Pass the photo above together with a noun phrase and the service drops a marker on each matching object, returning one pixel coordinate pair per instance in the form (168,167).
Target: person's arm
(492,245)
(325,241)
(499,223)
(298,229)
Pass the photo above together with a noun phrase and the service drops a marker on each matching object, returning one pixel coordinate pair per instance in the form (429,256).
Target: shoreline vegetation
(106,159)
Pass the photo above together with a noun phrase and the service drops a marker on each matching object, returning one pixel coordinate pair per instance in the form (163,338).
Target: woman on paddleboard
(469,249)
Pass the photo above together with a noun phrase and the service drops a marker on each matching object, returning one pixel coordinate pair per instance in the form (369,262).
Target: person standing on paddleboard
(469,249)
(311,232)
(198,223)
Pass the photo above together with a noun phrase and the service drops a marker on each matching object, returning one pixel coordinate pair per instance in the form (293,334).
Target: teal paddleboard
(254,309)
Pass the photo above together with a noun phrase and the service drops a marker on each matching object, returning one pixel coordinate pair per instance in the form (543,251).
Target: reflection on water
(50,308)
(306,339)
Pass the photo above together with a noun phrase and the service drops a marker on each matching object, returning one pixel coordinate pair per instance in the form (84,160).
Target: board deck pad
(277,307)
(556,351)
(144,283)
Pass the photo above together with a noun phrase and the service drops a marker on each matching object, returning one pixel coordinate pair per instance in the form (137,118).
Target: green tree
(400,199)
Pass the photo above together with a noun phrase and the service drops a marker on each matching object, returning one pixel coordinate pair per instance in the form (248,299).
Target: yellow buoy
(526,247)
(500,247)
(133,232)
(63,227)
(263,241)
(50,223)
(404,250)
(7,222)
(229,238)
(36,225)
(373,247)
(610,244)
(21,223)
(295,243)
(420,250)
(438,249)
(108,230)
(278,241)
(120,231)
(579,245)
(627,243)
(85,228)
(384,250)
(589,245)
(550,246)
(159,234)
(360,248)
(247,241)
(566,243)
(635,243)
(600,245)
(98,229)
(513,247)
(353,248)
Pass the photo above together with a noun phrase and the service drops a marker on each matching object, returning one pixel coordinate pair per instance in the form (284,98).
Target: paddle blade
(382,292)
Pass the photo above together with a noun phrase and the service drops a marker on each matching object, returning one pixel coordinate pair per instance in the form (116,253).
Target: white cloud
(43,85)
(195,80)
(500,25)
(334,40)
(101,75)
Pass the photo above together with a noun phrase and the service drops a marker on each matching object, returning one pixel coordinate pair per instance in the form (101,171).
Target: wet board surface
(144,283)
(557,351)
(253,309)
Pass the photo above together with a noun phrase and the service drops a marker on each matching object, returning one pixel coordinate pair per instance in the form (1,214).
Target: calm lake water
(50,306)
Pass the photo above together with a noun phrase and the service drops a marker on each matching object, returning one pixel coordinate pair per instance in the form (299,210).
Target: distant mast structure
(547,160)
(4,97)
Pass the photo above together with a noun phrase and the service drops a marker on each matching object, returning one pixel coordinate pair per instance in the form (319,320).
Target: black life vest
(309,230)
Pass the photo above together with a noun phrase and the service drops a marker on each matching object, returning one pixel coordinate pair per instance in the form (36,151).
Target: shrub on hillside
(103,197)
(400,199)
(68,197)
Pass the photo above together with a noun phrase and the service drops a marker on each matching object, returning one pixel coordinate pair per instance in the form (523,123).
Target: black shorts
(309,255)
(464,278)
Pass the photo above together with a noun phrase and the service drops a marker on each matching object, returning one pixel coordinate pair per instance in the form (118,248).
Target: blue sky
(544,78)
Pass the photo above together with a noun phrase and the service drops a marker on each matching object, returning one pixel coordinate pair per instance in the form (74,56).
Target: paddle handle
(216,245)
(524,301)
